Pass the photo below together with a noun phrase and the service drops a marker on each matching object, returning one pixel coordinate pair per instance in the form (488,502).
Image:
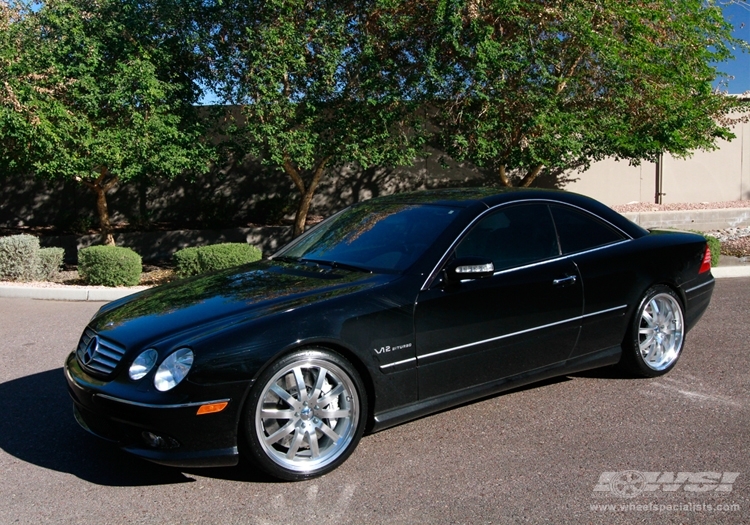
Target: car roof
(491,197)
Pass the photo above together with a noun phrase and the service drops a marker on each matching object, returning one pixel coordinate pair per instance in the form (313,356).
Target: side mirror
(469,268)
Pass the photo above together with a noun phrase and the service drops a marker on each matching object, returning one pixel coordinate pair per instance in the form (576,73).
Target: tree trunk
(307,191)
(504,177)
(300,217)
(525,182)
(531,175)
(100,187)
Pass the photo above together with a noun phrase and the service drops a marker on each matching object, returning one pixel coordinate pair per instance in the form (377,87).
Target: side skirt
(419,409)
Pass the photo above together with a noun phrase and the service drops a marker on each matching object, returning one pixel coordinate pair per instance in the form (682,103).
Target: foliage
(50,261)
(186,262)
(323,83)
(19,258)
(101,92)
(104,92)
(523,86)
(194,261)
(109,266)
(714,245)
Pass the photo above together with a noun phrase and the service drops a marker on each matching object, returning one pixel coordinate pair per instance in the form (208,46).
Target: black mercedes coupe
(389,310)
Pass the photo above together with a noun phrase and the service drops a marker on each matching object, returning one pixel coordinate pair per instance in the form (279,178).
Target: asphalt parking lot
(595,447)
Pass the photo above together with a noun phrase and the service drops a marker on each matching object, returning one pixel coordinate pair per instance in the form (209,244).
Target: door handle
(565,281)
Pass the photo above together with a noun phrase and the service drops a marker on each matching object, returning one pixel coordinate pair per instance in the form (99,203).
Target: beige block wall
(707,176)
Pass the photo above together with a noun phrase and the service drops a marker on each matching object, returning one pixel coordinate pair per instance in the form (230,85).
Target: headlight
(143,364)
(173,369)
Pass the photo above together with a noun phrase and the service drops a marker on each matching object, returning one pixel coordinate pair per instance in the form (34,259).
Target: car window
(579,231)
(512,236)
(377,237)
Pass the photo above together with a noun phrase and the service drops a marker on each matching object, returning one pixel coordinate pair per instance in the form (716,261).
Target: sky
(739,68)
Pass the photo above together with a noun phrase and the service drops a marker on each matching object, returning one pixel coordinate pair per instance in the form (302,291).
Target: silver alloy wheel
(307,415)
(660,332)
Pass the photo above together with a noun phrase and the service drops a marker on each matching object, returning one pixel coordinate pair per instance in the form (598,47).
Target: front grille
(97,355)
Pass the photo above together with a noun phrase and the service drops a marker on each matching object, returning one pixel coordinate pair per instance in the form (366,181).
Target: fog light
(156,441)
(152,440)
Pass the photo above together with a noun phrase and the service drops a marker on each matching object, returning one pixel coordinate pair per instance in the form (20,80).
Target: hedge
(194,261)
(109,266)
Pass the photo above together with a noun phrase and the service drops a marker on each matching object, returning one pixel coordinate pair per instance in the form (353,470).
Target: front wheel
(305,415)
(657,334)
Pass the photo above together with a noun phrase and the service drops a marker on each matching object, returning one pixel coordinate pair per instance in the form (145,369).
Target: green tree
(103,93)
(321,84)
(15,83)
(524,86)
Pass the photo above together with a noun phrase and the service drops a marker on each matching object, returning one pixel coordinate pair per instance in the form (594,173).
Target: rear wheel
(657,334)
(305,415)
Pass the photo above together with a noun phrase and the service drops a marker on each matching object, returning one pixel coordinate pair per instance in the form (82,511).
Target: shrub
(109,266)
(50,261)
(714,245)
(186,262)
(19,257)
(192,261)
(220,256)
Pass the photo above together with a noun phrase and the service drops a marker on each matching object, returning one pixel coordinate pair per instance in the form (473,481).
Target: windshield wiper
(285,258)
(335,264)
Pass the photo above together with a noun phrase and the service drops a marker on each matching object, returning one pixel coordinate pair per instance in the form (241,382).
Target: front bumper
(170,433)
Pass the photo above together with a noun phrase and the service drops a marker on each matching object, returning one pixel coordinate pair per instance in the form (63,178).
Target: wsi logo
(631,483)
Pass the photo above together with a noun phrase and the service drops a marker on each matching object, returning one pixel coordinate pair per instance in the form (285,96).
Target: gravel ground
(734,241)
(646,206)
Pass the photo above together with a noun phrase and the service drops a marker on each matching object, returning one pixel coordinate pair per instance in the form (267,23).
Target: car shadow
(37,426)
(607,372)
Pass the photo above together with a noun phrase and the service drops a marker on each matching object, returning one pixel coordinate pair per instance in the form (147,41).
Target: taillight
(706,264)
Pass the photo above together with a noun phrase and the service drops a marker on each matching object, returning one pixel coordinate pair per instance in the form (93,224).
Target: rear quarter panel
(615,279)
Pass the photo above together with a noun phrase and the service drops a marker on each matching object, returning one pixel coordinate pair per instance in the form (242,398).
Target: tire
(656,336)
(305,415)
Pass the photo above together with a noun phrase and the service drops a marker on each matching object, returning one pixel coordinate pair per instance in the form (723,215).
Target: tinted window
(580,231)
(512,236)
(374,236)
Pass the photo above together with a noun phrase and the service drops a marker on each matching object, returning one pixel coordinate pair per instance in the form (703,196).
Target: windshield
(372,236)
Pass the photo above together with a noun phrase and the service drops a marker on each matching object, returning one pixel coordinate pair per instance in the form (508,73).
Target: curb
(722,272)
(111,294)
(68,293)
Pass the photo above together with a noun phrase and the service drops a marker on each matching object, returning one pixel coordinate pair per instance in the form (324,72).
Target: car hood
(225,297)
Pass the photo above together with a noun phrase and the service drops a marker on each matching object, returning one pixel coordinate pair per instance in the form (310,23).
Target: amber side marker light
(212,408)
(706,264)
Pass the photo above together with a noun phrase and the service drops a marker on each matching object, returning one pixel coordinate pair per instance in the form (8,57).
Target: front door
(524,317)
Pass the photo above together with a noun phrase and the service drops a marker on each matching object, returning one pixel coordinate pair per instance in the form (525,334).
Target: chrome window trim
(505,336)
(149,405)
(433,274)
(560,258)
